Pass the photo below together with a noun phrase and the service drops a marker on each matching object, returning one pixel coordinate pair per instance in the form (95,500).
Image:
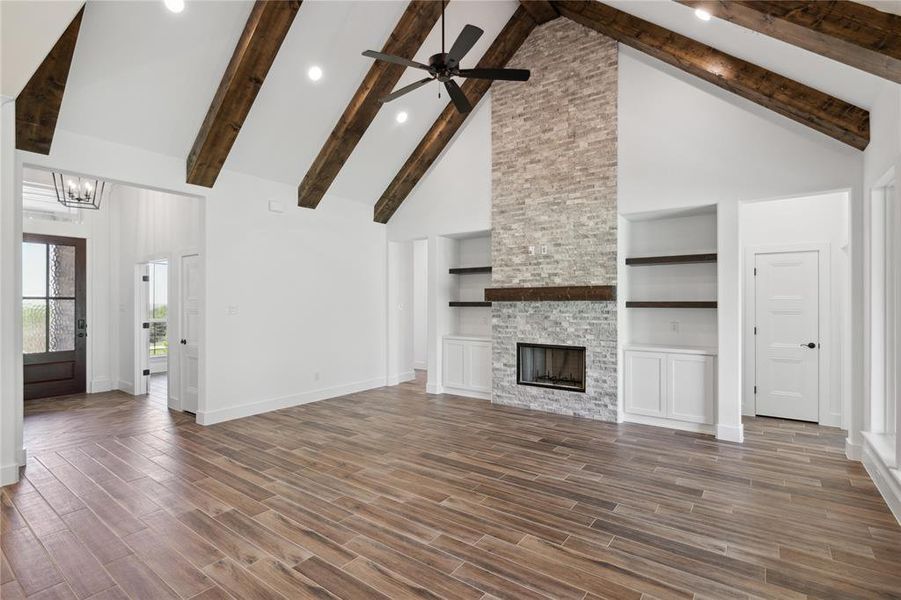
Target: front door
(189,327)
(787,341)
(54,330)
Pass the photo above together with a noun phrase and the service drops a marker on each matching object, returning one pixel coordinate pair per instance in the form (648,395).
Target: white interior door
(189,308)
(787,341)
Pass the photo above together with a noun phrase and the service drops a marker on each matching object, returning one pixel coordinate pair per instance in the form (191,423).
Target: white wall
(819,219)
(11,455)
(400,312)
(420,304)
(455,194)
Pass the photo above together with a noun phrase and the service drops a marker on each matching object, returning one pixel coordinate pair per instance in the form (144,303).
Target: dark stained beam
(851,33)
(37,105)
(822,112)
(266,28)
(541,10)
(408,36)
(442,131)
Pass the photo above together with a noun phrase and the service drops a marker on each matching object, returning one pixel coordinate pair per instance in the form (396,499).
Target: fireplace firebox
(549,366)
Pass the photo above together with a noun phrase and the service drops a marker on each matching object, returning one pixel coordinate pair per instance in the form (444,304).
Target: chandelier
(78,192)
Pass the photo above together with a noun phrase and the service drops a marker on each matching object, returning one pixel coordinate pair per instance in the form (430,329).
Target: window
(48,298)
(158,309)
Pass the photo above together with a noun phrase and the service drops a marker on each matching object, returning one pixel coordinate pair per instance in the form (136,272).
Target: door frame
(749,367)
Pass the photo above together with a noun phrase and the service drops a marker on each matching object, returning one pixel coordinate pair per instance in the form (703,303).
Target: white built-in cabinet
(670,383)
(467,366)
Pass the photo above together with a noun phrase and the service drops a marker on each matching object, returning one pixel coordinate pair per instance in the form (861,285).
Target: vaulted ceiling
(145,77)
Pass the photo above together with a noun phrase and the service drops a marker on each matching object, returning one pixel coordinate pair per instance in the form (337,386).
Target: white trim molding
(886,478)
(730,433)
(401,377)
(466,393)
(205,417)
(666,423)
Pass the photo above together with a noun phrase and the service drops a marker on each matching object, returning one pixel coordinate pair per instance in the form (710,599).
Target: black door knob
(183,341)
(810,345)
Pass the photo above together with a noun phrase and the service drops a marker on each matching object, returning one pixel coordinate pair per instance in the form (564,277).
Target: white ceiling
(28,30)
(144,77)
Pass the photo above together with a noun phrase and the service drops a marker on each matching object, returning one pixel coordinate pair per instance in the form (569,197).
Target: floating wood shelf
(671,304)
(681,259)
(460,304)
(469,270)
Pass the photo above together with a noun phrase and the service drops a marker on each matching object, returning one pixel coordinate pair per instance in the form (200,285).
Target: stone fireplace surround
(554,217)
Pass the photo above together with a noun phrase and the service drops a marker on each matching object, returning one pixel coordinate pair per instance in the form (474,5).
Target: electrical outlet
(232,310)
(544,249)
(532,250)
(316,376)
(674,325)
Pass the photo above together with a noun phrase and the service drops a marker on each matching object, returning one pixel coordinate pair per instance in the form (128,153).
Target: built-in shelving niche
(469,274)
(669,280)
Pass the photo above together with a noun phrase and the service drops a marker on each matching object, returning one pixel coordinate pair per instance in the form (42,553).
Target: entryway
(54,329)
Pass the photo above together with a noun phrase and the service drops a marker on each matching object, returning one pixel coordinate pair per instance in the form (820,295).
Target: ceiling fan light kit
(444,66)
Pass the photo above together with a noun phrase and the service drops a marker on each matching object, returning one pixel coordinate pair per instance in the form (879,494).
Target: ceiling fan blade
(499,74)
(405,90)
(457,96)
(465,41)
(398,60)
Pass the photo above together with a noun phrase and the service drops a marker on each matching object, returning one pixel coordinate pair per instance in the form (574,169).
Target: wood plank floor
(393,493)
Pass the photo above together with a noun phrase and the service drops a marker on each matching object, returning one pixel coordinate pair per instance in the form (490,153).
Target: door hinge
(755,330)
(145,277)
(146,372)
(755,271)
(755,389)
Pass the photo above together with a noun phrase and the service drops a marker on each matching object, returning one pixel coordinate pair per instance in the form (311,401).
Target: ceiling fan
(445,65)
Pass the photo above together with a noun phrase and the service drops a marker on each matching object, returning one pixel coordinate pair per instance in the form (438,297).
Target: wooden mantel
(566,293)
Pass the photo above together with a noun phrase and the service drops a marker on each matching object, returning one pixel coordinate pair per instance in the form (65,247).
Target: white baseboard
(888,481)
(401,377)
(101,384)
(467,393)
(210,417)
(668,423)
(126,386)
(9,474)
(730,433)
(433,388)
(420,366)
(853,451)
(831,420)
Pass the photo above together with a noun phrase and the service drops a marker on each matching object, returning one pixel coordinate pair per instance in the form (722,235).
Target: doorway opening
(153,330)
(797,293)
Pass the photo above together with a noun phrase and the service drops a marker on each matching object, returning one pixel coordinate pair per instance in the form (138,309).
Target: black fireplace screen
(559,367)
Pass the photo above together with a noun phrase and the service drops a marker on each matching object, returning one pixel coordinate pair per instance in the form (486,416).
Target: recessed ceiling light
(702,14)
(175,6)
(401,117)
(315,73)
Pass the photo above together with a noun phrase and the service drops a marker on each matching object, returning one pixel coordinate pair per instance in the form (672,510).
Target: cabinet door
(645,383)
(690,387)
(479,367)
(454,363)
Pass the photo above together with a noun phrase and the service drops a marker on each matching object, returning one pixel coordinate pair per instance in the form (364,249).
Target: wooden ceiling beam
(449,122)
(38,104)
(851,33)
(541,10)
(266,28)
(407,38)
(813,108)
